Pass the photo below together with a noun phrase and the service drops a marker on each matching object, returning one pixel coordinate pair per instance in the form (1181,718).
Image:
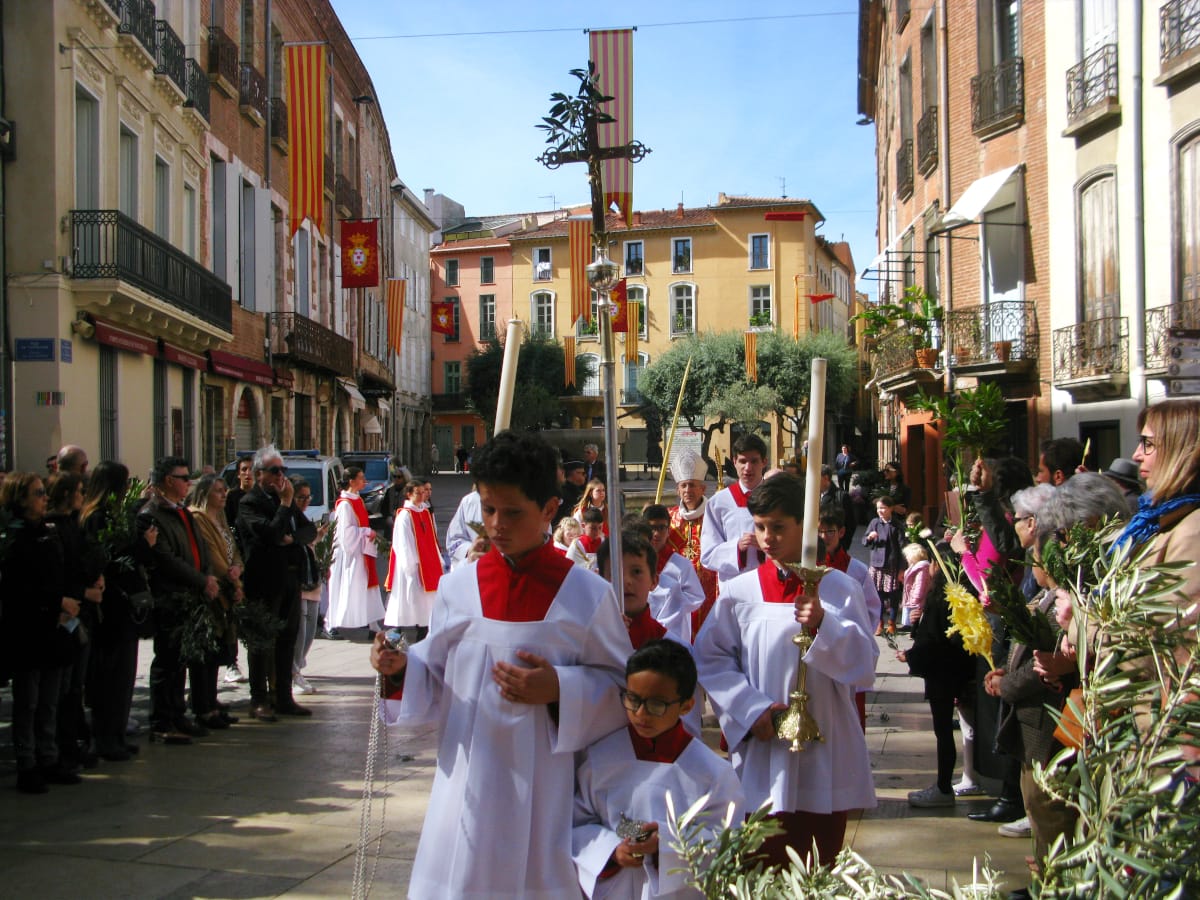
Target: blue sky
(766,93)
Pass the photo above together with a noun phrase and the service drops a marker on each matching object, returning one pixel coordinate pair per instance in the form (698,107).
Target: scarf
(1146,522)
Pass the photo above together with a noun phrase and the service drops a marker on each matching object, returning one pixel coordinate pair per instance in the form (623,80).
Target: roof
(482,243)
(649,220)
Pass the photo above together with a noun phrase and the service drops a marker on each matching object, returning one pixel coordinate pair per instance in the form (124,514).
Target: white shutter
(1099,24)
(264,252)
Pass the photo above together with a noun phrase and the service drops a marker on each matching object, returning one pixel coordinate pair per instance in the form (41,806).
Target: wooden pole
(671,435)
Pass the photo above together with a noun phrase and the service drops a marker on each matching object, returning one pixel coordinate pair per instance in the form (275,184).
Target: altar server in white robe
(354,599)
(414,567)
(519,671)
(748,664)
(459,533)
(629,775)
(727,544)
(679,592)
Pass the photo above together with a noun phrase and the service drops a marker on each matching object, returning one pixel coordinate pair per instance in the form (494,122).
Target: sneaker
(968,789)
(300,685)
(233,675)
(930,798)
(1018,829)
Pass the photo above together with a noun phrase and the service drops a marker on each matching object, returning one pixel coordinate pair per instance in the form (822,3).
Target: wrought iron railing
(137,19)
(1178,29)
(302,340)
(347,196)
(279,121)
(894,352)
(252,90)
(196,88)
(1095,348)
(223,56)
(1184,314)
(927,142)
(989,333)
(447,402)
(631,397)
(108,244)
(169,57)
(1092,81)
(998,97)
(904,169)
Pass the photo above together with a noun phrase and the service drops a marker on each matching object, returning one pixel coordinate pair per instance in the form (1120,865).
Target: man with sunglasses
(273,531)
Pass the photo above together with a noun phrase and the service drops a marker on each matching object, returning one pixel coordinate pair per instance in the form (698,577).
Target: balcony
(135,30)
(329,174)
(998,340)
(896,367)
(302,341)
(196,90)
(279,123)
(223,62)
(169,60)
(631,397)
(927,142)
(349,202)
(1091,359)
(998,98)
(1178,40)
(1184,314)
(252,94)
(1092,90)
(904,169)
(107,244)
(449,402)
(106,13)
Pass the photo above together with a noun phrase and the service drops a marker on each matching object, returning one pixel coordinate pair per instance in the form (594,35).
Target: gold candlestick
(796,724)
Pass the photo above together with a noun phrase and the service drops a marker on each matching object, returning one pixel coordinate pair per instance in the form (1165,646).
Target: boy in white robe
(631,772)
(679,592)
(519,671)
(414,568)
(727,543)
(582,551)
(748,664)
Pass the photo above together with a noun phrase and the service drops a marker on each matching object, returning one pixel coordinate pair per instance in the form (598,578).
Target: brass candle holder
(796,724)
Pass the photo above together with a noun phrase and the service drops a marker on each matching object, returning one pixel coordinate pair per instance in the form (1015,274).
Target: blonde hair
(586,500)
(914,553)
(567,524)
(1176,426)
(914,520)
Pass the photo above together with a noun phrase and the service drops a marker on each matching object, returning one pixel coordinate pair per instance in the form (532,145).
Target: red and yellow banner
(579,241)
(305,65)
(620,300)
(611,51)
(442,318)
(569,360)
(360,253)
(752,355)
(395,312)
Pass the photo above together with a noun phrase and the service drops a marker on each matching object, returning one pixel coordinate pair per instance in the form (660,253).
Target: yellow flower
(968,620)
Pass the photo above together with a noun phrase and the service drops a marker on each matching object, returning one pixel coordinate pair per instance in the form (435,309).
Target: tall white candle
(508,375)
(812,484)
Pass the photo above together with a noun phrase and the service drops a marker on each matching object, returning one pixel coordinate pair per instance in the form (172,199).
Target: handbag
(1069,731)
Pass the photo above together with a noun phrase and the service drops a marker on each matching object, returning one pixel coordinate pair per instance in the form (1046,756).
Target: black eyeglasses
(1147,443)
(303,498)
(277,470)
(659,528)
(654,706)
(184,477)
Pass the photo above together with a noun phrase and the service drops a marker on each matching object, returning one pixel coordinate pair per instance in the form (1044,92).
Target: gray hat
(1124,472)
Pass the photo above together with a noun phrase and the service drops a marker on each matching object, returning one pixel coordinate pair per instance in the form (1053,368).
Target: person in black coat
(273,532)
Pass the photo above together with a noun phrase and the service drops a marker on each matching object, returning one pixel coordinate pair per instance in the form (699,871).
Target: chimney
(679,211)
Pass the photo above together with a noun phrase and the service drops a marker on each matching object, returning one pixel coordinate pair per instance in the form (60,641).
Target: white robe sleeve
(690,588)
(579,556)
(718,652)
(424,676)
(592,843)
(844,648)
(459,536)
(719,550)
(347,540)
(861,573)
(404,544)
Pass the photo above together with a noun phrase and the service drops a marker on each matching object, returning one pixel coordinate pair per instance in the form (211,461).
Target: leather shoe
(263,713)
(1000,811)
(294,709)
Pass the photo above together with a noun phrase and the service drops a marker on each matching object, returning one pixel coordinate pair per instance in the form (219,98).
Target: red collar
(779,585)
(590,544)
(738,495)
(666,748)
(520,591)
(644,628)
(839,559)
(662,559)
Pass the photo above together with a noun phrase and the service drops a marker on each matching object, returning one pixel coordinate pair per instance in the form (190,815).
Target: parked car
(323,474)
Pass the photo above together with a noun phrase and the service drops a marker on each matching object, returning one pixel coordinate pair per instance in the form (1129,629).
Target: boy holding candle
(748,664)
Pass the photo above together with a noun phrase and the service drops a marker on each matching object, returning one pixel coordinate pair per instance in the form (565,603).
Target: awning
(233,366)
(987,193)
(124,340)
(371,426)
(183,357)
(384,406)
(357,400)
(874,265)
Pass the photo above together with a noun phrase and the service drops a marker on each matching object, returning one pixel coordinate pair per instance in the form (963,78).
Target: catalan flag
(611,51)
(752,355)
(305,65)
(579,244)
(395,311)
(568,360)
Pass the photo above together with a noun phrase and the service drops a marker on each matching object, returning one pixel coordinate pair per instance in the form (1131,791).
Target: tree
(786,366)
(539,382)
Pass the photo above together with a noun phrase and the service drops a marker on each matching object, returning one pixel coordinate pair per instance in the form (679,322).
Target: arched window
(541,314)
(683,308)
(590,386)
(630,395)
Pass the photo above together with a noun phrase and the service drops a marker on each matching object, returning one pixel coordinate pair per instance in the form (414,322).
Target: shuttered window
(1100,292)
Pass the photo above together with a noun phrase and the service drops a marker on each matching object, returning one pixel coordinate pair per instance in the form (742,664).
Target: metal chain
(377,755)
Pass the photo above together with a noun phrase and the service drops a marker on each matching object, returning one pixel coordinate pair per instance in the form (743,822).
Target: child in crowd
(565,534)
(747,663)
(583,549)
(629,775)
(519,671)
(884,538)
(916,584)
(679,593)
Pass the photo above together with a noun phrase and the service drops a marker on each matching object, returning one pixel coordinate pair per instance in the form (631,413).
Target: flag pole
(671,435)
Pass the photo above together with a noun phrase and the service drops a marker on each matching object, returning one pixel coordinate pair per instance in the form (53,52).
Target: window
(303,420)
(189,413)
(630,395)
(452,272)
(189,220)
(681,255)
(542,314)
(487,316)
(108,403)
(87,151)
(635,261)
(487,270)
(1187,231)
(159,393)
(303,292)
(590,330)
(760,251)
(454,318)
(999,36)
(466,436)
(931,266)
(246,252)
(128,194)
(760,305)
(248,41)
(213,425)
(683,309)
(928,67)
(218,233)
(162,199)
(1100,292)
(905,88)
(636,296)
(452,377)
(542,270)
(590,387)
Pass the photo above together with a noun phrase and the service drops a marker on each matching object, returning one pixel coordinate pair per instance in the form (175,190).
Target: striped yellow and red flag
(395,311)
(611,51)
(752,355)
(305,65)
(579,247)
(569,360)
(631,336)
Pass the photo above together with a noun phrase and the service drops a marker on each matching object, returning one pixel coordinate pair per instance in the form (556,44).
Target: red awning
(233,366)
(124,340)
(183,357)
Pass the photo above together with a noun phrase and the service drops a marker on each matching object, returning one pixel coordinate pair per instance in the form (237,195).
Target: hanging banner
(568,360)
(752,355)
(395,312)
(579,240)
(305,66)
(611,52)
(360,253)
(620,300)
(442,318)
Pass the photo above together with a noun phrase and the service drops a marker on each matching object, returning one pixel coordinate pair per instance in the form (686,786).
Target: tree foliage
(539,382)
